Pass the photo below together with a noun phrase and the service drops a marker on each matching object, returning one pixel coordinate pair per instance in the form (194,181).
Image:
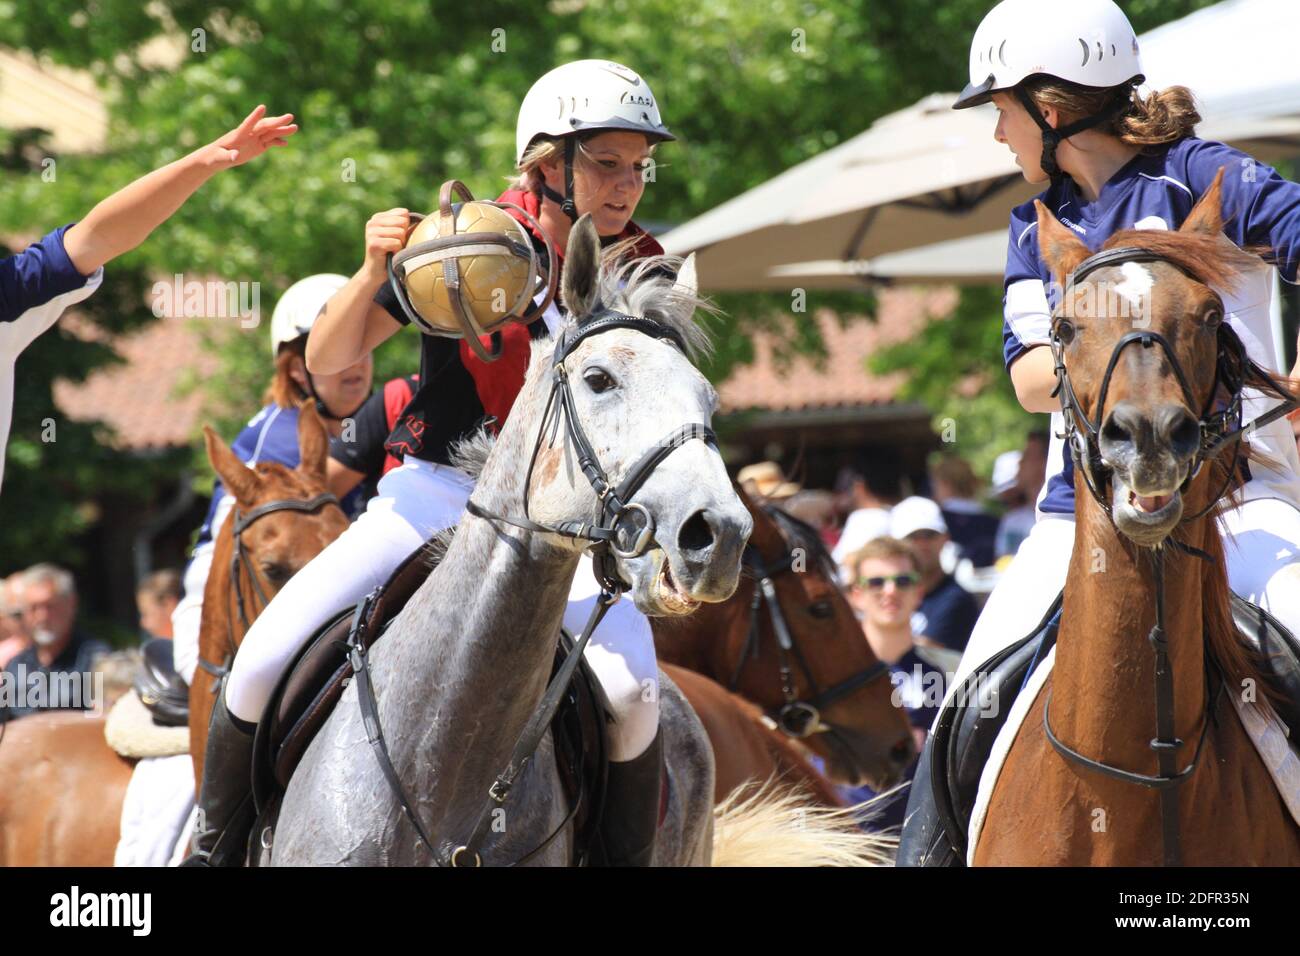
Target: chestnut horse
(61,785)
(1091,793)
(788,641)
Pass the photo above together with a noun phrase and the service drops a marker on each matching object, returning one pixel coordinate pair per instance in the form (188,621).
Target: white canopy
(923,195)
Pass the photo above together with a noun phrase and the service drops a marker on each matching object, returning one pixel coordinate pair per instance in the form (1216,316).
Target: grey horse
(463,667)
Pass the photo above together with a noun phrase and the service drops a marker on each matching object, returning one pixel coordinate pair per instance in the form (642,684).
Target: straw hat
(767,480)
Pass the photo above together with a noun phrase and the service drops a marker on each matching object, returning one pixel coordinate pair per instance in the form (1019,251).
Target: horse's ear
(688,280)
(581,267)
(1061,249)
(313,442)
(240,480)
(1207,215)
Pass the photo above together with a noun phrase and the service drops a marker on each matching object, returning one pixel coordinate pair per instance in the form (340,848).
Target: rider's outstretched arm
(125,219)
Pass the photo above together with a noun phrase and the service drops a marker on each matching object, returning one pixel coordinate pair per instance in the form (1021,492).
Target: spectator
(971,527)
(1018,478)
(886,593)
(868,492)
(14,638)
(766,480)
(155,599)
(947,613)
(815,509)
(58,647)
(1018,520)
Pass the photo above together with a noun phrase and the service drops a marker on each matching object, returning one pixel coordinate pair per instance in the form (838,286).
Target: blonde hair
(881,549)
(546,149)
(1164,116)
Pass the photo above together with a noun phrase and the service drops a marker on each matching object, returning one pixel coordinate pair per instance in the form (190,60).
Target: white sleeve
(187,618)
(20,333)
(1027,313)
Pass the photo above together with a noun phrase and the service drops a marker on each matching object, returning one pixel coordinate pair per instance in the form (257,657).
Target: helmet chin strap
(565,202)
(1053,137)
(321,408)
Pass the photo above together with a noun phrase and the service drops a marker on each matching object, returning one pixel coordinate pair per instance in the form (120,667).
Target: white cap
(1089,42)
(916,514)
(588,95)
(863,525)
(1006,472)
(301,303)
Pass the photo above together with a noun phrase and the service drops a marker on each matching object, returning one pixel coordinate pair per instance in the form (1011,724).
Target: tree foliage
(394,96)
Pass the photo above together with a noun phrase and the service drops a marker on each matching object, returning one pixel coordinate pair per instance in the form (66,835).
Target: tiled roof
(138,397)
(843,380)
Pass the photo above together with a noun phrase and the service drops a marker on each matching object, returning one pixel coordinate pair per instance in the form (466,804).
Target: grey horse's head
(630,391)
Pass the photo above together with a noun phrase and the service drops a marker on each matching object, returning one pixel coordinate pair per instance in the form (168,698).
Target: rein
(797,717)
(1217,431)
(621,529)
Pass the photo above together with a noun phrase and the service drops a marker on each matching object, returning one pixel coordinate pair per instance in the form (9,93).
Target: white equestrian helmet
(588,95)
(298,308)
(1088,42)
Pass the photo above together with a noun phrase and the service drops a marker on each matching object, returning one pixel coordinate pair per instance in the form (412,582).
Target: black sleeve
(361,447)
(386,299)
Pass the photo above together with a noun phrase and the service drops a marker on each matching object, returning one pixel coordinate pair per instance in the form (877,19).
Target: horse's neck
(464,666)
(1103,698)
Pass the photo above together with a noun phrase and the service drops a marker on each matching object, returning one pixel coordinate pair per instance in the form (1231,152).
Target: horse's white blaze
(1136,285)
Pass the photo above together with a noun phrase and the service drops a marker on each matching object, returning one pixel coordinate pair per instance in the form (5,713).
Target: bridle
(797,717)
(240,564)
(621,529)
(1217,431)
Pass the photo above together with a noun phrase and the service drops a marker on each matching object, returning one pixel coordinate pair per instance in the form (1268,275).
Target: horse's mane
(648,287)
(1212,260)
(803,535)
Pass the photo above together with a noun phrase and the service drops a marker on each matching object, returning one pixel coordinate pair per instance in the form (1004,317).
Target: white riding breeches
(1261,544)
(415,501)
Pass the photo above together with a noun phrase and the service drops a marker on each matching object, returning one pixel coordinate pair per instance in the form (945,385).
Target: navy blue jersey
(271,435)
(1153,191)
(36,275)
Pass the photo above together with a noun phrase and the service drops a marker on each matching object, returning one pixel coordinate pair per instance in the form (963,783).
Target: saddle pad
(1266,732)
(131,732)
(157,812)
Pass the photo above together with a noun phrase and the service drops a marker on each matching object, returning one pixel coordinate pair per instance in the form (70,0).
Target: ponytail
(1165,116)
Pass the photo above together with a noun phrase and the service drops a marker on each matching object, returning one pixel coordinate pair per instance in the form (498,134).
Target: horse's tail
(781,825)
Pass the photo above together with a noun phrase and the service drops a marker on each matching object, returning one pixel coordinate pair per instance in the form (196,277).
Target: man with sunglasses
(886,593)
(947,614)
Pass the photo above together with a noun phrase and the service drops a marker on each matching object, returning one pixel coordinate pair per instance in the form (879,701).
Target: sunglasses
(903,582)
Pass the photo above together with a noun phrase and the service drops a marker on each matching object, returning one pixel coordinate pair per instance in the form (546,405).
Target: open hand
(254,136)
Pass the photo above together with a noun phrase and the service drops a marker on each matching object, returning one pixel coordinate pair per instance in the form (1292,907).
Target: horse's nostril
(1115,432)
(1185,435)
(696,534)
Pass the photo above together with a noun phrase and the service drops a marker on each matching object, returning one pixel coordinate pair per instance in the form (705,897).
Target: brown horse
(826,689)
(1138,486)
(265,541)
(746,753)
(61,786)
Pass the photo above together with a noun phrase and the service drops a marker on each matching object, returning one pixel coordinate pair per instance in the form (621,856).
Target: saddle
(162,691)
(309,689)
(948,772)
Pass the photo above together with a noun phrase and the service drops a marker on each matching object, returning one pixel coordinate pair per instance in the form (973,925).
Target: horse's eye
(823,610)
(1064,331)
(277,574)
(1214,318)
(597,380)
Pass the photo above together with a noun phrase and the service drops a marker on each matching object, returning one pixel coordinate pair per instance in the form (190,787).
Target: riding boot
(924,841)
(630,821)
(226,794)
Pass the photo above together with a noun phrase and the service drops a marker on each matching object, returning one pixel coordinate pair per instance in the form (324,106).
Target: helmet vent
(1101,54)
(1086,52)
(1002,52)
